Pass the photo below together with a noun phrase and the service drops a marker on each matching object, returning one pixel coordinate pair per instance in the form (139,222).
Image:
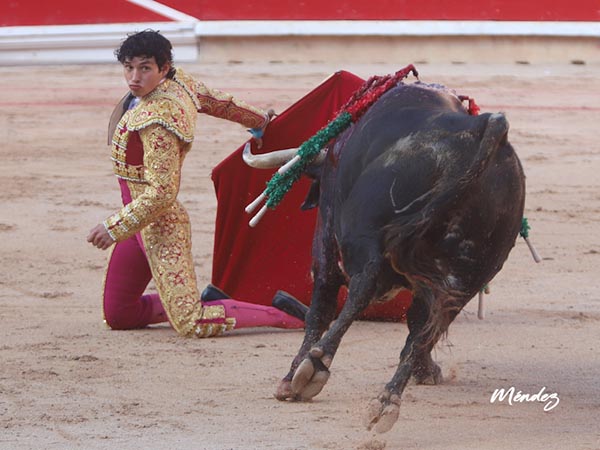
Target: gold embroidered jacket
(149,145)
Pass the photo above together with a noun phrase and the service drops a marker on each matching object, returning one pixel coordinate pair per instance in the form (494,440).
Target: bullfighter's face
(142,74)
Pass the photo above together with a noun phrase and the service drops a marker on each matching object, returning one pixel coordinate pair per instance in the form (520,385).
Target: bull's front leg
(313,372)
(327,282)
(320,315)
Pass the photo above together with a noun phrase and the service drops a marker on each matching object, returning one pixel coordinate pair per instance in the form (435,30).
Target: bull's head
(284,160)
(276,158)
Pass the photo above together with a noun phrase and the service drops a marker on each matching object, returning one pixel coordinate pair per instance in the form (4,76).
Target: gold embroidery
(129,172)
(204,330)
(160,175)
(166,233)
(168,105)
(220,104)
(168,247)
(213,322)
(120,139)
(213,312)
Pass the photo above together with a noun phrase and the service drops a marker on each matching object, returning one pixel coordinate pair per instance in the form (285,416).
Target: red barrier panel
(73,12)
(506,10)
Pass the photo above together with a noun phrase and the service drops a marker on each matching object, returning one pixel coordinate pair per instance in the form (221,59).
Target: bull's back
(392,155)
(400,176)
(401,121)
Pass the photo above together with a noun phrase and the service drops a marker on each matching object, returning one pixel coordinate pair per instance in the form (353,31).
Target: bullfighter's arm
(224,106)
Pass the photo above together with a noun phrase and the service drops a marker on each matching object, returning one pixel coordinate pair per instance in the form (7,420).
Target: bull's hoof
(311,375)
(284,391)
(430,375)
(383,412)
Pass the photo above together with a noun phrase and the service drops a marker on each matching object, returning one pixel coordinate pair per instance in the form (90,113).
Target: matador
(151,232)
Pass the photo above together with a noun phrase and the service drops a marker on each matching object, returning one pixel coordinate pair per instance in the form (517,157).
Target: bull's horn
(317,160)
(268,160)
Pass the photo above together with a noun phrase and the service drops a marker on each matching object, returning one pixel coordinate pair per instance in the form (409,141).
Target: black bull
(417,195)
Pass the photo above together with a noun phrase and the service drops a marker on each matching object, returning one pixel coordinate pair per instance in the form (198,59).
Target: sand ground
(67,382)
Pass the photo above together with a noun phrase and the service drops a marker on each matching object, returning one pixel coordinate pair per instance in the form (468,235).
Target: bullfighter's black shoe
(211,292)
(289,304)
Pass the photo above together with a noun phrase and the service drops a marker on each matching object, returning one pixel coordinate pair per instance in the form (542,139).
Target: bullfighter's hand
(258,133)
(100,238)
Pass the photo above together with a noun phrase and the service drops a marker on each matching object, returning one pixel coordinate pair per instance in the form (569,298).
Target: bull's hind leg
(415,360)
(424,369)
(313,373)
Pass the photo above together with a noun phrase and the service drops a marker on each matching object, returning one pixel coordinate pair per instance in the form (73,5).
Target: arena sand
(66,382)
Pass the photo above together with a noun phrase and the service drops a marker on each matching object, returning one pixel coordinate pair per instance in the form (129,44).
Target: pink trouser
(127,307)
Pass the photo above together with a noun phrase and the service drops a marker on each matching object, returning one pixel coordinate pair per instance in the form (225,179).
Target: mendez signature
(515,396)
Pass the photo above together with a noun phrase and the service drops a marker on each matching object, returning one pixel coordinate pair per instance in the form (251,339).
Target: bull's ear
(312,198)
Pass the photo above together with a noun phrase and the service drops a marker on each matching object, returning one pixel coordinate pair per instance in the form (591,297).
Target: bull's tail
(411,254)
(495,133)
(406,231)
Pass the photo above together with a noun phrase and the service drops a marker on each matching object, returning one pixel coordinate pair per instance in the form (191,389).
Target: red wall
(71,12)
(534,10)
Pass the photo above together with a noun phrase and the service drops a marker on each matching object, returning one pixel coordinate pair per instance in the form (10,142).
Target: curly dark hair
(148,43)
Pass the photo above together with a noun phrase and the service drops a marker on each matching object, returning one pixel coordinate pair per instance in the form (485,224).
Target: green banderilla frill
(524,228)
(525,235)
(281,183)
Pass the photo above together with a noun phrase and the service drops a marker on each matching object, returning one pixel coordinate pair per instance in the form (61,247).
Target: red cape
(251,264)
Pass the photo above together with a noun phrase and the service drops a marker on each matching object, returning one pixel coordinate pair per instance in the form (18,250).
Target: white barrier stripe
(318,28)
(96,42)
(209,28)
(86,43)
(164,10)
(94,30)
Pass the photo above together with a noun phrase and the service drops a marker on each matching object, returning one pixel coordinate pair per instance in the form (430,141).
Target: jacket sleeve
(162,172)
(224,106)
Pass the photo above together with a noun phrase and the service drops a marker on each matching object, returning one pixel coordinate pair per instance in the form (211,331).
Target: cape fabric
(251,264)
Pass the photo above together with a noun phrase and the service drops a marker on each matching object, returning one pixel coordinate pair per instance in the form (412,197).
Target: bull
(417,194)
